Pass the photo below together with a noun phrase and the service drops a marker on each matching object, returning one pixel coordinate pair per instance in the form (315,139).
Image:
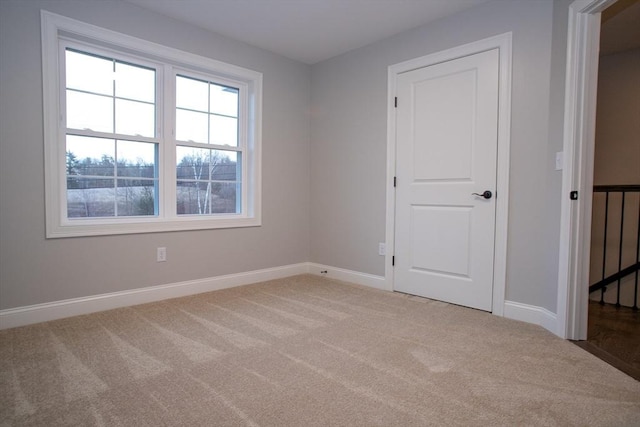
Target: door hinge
(394,181)
(393,260)
(395,102)
(573,195)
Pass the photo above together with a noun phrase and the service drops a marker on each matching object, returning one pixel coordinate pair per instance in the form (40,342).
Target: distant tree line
(199,190)
(106,167)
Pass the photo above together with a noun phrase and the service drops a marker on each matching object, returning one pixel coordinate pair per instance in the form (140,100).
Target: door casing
(581,86)
(451,109)
(503,43)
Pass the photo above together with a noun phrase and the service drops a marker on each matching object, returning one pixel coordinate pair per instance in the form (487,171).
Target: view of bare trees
(207,182)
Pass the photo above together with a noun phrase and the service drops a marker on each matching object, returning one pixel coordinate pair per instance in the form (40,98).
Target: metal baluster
(620,247)
(635,292)
(604,246)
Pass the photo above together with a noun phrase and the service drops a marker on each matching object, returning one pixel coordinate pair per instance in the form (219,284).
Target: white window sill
(92,227)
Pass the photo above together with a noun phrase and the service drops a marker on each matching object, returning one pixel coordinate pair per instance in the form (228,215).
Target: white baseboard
(20,316)
(512,310)
(27,315)
(531,314)
(365,279)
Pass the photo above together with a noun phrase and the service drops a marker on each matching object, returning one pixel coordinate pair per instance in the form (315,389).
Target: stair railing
(621,272)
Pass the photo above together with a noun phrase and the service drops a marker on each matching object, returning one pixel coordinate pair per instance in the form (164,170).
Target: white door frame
(503,43)
(577,175)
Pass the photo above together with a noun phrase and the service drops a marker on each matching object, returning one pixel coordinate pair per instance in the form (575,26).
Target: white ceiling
(308,31)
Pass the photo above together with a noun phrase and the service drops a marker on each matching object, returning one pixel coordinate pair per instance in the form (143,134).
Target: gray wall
(348,145)
(323,173)
(553,183)
(617,151)
(617,156)
(34,270)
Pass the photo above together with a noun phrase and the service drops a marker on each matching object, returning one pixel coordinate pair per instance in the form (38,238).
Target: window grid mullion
(209,168)
(115,177)
(124,98)
(208,112)
(106,135)
(168,151)
(187,109)
(209,146)
(115,160)
(136,178)
(113,99)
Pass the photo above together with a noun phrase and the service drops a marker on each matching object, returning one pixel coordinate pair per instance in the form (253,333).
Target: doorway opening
(601,228)
(613,317)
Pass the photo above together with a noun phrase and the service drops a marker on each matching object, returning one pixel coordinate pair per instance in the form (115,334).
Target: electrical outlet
(382,248)
(161,254)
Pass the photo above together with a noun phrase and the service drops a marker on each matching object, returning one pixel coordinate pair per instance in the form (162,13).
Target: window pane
(89,73)
(206,165)
(192,163)
(224,166)
(192,94)
(224,100)
(88,156)
(136,159)
(223,197)
(135,118)
(208,181)
(136,197)
(135,82)
(191,126)
(86,111)
(224,130)
(193,198)
(90,197)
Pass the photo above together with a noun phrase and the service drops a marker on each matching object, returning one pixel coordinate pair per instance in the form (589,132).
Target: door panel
(447,225)
(446,146)
(446,110)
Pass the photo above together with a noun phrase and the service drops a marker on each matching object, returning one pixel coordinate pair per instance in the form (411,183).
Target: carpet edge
(27,315)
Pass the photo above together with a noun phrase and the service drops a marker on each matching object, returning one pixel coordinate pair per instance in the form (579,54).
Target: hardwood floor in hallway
(614,336)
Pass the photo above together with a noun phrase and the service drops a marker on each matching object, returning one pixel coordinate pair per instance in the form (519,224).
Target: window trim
(55,27)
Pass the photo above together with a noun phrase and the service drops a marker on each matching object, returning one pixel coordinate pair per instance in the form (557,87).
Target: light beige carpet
(304,351)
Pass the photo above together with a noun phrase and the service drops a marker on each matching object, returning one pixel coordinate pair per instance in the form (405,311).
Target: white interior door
(446,150)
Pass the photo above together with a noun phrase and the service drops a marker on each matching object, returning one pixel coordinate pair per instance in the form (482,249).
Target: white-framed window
(144,138)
